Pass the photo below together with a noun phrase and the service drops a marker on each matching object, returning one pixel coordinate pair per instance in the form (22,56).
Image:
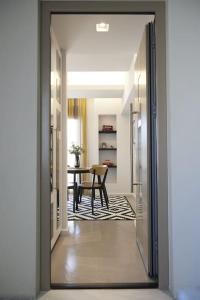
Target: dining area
(96,166)
(97,183)
(88,198)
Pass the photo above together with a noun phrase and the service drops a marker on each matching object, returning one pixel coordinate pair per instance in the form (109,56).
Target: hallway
(98,252)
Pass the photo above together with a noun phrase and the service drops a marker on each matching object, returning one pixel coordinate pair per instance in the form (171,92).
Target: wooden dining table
(75,172)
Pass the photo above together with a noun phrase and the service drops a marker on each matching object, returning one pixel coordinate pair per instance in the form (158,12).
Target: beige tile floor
(98,252)
(122,294)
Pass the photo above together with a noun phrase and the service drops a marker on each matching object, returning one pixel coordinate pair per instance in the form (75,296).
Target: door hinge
(153,45)
(156,246)
(154,111)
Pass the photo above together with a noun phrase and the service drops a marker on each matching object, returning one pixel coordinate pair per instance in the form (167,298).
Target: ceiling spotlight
(102,27)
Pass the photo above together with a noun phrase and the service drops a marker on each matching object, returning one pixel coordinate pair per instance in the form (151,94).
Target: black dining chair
(71,186)
(99,172)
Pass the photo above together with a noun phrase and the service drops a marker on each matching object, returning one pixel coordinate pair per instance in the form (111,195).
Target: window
(73,136)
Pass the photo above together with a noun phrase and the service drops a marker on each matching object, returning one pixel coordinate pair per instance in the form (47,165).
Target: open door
(146,173)
(55,146)
(58,141)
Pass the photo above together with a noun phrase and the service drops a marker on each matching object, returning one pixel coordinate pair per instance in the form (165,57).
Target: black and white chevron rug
(119,209)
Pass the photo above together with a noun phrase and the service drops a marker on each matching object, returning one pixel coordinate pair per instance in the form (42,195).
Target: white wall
(128,94)
(183,47)
(18,129)
(18,147)
(99,106)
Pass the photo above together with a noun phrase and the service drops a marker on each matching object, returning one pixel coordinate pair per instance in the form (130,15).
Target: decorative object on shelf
(111,146)
(107,128)
(76,150)
(104,145)
(108,163)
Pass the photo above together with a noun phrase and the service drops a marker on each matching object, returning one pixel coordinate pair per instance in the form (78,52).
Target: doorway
(42,241)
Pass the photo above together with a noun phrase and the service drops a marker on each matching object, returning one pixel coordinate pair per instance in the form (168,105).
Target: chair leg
(80,195)
(94,195)
(92,201)
(76,193)
(74,202)
(106,196)
(101,196)
(74,206)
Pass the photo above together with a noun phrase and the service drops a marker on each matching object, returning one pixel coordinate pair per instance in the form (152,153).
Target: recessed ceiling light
(102,27)
(98,78)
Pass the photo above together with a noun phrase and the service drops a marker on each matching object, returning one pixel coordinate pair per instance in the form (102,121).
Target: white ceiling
(88,50)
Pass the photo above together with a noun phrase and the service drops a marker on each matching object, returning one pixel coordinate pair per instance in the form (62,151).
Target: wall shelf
(108,132)
(105,149)
(108,144)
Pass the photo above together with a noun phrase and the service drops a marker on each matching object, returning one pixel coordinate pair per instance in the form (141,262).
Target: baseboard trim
(136,285)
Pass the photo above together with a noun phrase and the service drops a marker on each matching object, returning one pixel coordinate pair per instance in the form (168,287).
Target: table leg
(74,194)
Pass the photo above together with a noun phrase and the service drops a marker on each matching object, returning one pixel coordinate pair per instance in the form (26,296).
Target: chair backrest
(99,170)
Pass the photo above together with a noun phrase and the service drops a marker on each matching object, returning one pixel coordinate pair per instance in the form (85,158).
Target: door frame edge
(104,7)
